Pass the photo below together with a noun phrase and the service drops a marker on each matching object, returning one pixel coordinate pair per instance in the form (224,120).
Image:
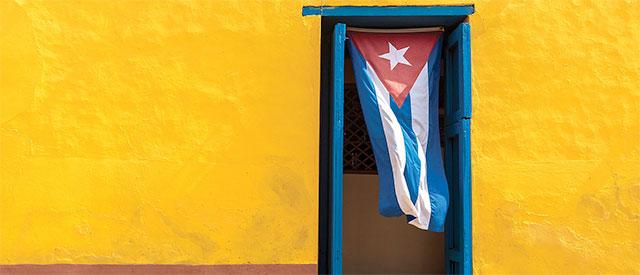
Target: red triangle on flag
(396,57)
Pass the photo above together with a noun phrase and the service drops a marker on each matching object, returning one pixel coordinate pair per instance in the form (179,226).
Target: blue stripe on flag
(388,202)
(438,190)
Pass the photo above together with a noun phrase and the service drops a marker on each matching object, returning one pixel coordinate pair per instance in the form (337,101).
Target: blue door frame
(457,143)
(337,138)
(457,122)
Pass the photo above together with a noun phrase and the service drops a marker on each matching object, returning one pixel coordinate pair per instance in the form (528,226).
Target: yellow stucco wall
(187,132)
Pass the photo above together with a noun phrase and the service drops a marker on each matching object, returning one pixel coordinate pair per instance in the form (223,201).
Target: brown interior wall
(376,244)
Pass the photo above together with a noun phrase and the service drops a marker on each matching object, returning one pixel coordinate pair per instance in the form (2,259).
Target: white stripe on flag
(395,144)
(420,123)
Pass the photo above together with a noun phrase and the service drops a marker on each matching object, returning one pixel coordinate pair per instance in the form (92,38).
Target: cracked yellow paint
(187,132)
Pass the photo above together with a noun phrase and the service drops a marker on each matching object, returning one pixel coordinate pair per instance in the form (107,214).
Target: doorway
(334,224)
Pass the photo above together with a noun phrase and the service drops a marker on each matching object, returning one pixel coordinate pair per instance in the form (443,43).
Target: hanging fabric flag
(397,75)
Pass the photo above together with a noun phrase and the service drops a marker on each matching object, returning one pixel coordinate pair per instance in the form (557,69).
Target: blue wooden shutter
(337,121)
(458,150)
(458,75)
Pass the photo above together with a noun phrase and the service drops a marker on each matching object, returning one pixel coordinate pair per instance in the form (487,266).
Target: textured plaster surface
(158,132)
(186,132)
(556,137)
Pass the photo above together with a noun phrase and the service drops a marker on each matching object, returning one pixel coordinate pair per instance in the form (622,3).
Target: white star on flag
(395,56)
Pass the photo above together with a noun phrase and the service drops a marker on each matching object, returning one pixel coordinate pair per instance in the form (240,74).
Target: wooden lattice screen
(358,155)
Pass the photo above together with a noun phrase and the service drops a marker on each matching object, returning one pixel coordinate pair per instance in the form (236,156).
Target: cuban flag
(397,76)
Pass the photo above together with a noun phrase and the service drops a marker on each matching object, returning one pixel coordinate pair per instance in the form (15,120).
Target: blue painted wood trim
(459,258)
(465,194)
(339,33)
(458,71)
(458,244)
(389,10)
